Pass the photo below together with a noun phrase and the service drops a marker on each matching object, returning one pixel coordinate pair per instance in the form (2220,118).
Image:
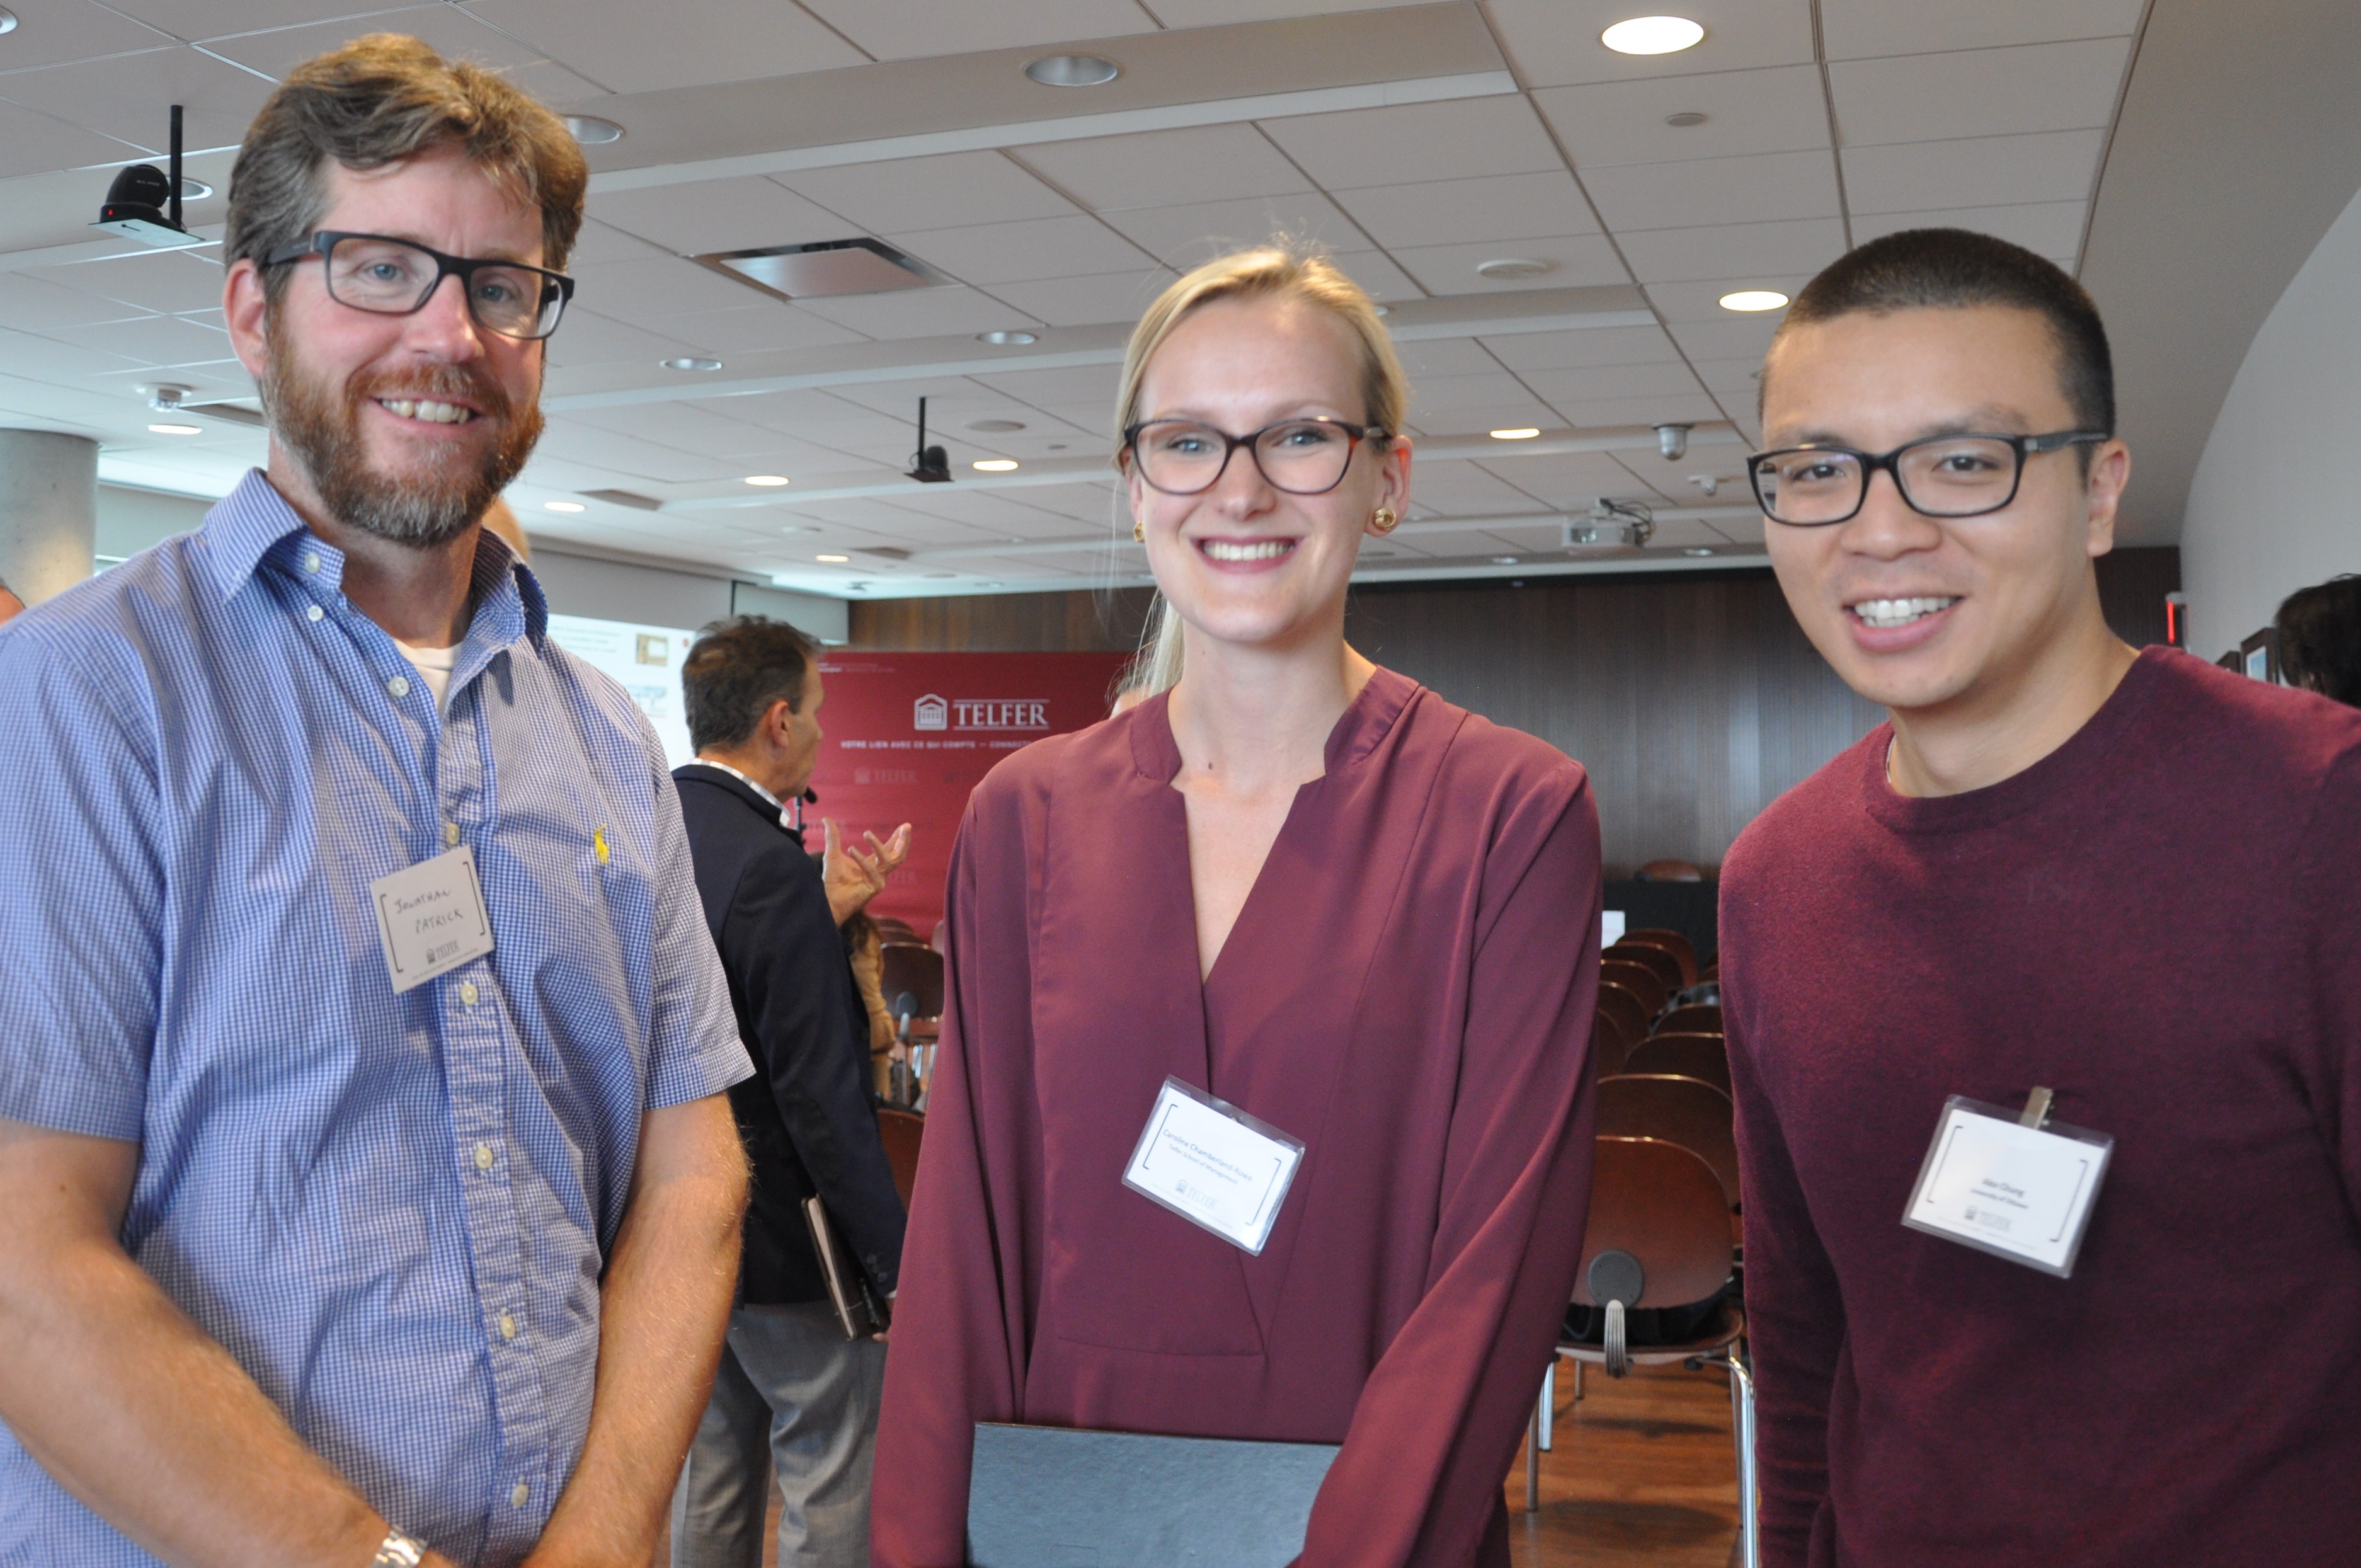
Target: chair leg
(1533,1462)
(1578,1382)
(1742,1409)
(1547,1414)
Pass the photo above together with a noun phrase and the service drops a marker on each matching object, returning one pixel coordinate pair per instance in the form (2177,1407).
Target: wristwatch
(399,1550)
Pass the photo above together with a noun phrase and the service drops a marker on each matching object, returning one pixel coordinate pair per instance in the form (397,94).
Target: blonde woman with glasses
(1261,1109)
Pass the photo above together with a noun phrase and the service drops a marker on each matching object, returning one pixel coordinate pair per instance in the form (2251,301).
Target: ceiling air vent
(830,267)
(626,498)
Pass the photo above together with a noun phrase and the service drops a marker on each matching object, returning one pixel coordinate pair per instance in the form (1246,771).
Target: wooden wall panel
(1693,700)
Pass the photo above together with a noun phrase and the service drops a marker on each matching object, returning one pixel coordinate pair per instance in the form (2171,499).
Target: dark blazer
(806,1116)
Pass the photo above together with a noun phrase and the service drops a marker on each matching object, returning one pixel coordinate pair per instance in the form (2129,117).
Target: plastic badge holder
(1940,1169)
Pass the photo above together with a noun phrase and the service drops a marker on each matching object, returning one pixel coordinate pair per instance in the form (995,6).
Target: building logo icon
(931,713)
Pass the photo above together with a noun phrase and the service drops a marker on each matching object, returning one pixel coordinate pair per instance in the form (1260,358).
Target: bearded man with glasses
(367,1192)
(2043,1001)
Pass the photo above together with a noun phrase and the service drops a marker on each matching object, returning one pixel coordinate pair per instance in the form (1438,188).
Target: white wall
(2276,504)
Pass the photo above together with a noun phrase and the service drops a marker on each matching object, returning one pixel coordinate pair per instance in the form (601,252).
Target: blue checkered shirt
(392,1210)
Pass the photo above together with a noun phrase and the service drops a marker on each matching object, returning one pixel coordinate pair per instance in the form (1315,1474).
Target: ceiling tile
(2045,228)
(1941,176)
(1182,237)
(1455,487)
(128,96)
(557,86)
(1734,250)
(1458,139)
(1086,301)
(674,424)
(1376,274)
(454,33)
(920,313)
(1732,337)
(1520,412)
(51,32)
(35,143)
(1562,479)
(51,359)
(1854,29)
(1978,92)
(1024,250)
(1576,350)
(1557,41)
(151,340)
(656,286)
(750,329)
(1086,386)
(164,281)
(1597,382)
(1762,188)
(1641,408)
(195,20)
(684,43)
(1221,12)
(1163,168)
(720,214)
(1434,394)
(1778,109)
(1445,357)
(1487,207)
(588,337)
(912,29)
(1739,378)
(950,192)
(1578,261)
(598,243)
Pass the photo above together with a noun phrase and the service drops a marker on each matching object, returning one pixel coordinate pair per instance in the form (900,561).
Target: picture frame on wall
(2259,655)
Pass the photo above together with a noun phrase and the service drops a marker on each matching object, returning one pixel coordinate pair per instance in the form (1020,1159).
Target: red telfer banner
(910,734)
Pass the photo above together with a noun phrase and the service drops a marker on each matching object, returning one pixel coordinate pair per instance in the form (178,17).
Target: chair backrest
(1623,1006)
(1656,960)
(1694,1018)
(901,1132)
(892,929)
(906,967)
(1702,1057)
(1684,951)
(1659,1202)
(1608,1046)
(1640,981)
(1684,1111)
(941,940)
(1670,870)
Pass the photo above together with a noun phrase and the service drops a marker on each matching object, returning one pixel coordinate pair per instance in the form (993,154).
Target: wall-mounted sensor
(1673,440)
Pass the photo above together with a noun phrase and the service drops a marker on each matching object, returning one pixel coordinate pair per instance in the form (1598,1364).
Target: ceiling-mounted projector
(1612,525)
(144,202)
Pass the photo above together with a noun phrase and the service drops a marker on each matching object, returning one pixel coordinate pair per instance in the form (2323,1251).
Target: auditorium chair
(901,1132)
(1658,1234)
(1640,980)
(1669,870)
(1656,960)
(1701,1057)
(1608,1046)
(1692,1018)
(1684,1110)
(1630,1015)
(906,967)
(891,929)
(1683,953)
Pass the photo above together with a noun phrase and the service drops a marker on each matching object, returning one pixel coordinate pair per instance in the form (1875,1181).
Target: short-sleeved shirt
(392,1209)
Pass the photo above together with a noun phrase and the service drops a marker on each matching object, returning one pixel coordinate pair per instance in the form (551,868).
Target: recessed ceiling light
(766,480)
(1524,432)
(995,465)
(940,575)
(1504,560)
(690,362)
(833,560)
(1753,299)
(1072,71)
(1699,550)
(1653,35)
(177,429)
(1008,339)
(592,131)
(1686,118)
(8,21)
(995,426)
(1511,266)
(563,506)
(193,189)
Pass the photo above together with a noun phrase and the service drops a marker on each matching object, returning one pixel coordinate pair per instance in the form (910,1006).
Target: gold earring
(1138,532)
(1385,519)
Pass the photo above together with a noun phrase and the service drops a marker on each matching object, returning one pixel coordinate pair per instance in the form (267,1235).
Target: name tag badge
(1214,1164)
(2011,1184)
(431,918)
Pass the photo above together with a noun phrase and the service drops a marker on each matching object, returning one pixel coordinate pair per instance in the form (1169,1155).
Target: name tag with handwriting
(431,918)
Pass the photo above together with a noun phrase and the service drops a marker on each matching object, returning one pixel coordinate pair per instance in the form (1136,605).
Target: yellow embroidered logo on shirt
(599,844)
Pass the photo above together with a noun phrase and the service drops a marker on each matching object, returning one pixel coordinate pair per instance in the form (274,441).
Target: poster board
(644,661)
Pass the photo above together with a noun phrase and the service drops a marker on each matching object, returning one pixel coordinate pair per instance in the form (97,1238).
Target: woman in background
(1308,887)
(2320,639)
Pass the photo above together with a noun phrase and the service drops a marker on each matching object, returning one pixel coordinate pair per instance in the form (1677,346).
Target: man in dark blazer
(792,1389)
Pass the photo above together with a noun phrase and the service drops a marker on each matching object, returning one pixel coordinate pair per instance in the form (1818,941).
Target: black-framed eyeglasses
(1939,476)
(392,277)
(1301,456)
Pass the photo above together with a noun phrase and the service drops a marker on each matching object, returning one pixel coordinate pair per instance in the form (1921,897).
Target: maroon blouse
(1408,989)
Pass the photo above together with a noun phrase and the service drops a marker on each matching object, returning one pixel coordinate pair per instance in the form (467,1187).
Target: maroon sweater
(2159,921)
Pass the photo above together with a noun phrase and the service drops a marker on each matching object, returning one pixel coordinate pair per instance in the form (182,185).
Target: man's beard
(421,510)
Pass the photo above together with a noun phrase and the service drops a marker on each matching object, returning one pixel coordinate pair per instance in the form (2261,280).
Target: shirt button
(467,992)
(399,686)
(314,613)
(312,561)
(520,1495)
(483,1157)
(450,834)
(508,1326)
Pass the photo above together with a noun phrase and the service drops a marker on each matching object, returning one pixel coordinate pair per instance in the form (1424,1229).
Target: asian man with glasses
(2044,1000)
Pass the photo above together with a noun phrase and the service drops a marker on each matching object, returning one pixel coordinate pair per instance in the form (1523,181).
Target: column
(49,510)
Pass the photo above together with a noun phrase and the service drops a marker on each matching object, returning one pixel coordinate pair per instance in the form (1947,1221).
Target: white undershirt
(433,666)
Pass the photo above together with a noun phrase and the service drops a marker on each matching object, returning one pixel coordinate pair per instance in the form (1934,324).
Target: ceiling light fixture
(995,465)
(766,480)
(995,426)
(1072,71)
(563,506)
(1686,118)
(1504,560)
(1008,339)
(1753,299)
(592,131)
(833,560)
(1653,35)
(1699,550)
(8,21)
(690,362)
(1525,433)
(1510,268)
(177,429)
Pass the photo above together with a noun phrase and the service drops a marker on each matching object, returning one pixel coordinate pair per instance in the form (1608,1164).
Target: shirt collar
(750,784)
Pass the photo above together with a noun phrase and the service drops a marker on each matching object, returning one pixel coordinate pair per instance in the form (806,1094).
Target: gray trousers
(794,1392)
